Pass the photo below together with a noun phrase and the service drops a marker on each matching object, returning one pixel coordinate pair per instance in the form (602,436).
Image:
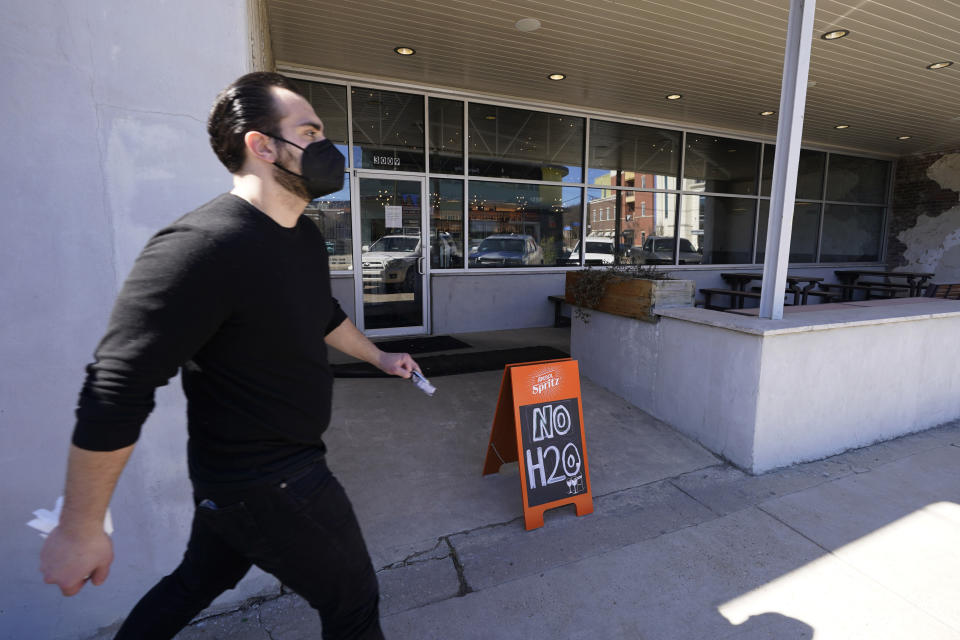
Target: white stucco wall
(675,372)
(104,106)
(823,392)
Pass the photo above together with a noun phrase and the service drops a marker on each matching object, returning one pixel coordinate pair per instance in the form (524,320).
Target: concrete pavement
(680,546)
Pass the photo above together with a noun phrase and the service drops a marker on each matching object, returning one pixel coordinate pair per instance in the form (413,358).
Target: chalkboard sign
(552,450)
(539,422)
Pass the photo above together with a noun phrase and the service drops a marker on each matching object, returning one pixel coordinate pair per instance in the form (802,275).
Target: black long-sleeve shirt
(242,305)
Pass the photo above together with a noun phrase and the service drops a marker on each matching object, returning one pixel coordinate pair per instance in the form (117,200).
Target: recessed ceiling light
(674,96)
(556,76)
(490,117)
(404,51)
(767,113)
(939,65)
(903,137)
(527,24)
(842,126)
(835,34)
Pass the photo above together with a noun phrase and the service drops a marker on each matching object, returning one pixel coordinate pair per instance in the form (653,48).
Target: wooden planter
(637,297)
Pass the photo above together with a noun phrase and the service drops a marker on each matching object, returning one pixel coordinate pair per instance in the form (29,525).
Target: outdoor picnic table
(799,286)
(915,279)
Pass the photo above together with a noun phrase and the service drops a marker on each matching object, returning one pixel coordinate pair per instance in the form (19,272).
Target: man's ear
(260,146)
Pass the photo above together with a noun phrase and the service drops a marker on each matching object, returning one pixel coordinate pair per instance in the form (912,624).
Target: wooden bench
(846,290)
(945,291)
(559,320)
(826,295)
(736,298)
(894,287)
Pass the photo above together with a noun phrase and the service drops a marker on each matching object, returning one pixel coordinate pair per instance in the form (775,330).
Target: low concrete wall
(767,394)
(493,301)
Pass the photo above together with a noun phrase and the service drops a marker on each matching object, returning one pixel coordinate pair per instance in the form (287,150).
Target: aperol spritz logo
(544,381)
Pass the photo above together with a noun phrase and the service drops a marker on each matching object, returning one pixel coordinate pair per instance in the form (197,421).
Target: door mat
(456,363)
(422,345)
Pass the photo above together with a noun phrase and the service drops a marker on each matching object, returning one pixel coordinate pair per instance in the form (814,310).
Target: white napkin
(47,520)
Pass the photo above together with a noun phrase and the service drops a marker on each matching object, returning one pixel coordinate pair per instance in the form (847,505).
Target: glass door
(394,258)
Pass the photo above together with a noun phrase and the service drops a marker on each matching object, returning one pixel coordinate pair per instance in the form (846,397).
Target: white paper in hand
(46,520)
(422,383)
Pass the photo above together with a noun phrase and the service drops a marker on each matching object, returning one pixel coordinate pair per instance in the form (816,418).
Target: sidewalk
(680,545)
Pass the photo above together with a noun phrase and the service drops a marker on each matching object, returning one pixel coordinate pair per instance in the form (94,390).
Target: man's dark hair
(248,104)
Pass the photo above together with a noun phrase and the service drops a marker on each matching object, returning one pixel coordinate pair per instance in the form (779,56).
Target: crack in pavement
(409,560)
(262,626)
(465,587)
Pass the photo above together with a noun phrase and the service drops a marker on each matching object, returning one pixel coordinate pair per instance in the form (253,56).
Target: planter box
(638,297)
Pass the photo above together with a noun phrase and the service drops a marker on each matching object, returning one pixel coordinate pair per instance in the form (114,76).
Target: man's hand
(70,558)
(348,339)
(78,549)
(397,364)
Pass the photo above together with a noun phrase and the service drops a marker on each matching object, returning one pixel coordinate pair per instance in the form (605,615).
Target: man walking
(235,294)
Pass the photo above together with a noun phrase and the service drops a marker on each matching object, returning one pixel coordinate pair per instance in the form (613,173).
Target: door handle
(420,264)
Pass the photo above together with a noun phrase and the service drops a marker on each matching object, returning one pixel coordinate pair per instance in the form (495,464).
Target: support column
(258,27)
(793,95)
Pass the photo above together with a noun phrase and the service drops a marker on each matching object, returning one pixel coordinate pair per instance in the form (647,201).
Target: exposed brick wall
(914,195)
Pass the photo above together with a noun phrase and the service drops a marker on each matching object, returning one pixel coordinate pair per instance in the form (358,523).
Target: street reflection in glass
(446,224)
(522,225)
(391,249)
(331,213)
(622,221)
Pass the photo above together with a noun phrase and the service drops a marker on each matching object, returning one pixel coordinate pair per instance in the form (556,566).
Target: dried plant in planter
(589,288)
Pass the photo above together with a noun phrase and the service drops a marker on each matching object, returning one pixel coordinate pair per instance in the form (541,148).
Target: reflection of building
(629,216)
(333,219)
(693,215)
(523,209)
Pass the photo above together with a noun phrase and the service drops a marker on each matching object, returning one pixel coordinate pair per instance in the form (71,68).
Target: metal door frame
(424,261)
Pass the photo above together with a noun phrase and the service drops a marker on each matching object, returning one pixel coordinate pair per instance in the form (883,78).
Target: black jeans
(301,529)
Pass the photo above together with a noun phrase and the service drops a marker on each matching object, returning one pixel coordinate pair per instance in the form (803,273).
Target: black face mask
(321,167)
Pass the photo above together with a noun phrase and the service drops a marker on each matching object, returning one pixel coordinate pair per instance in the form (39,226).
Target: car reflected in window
(507,250)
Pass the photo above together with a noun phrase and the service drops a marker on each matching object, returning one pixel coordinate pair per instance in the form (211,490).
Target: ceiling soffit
(724,57)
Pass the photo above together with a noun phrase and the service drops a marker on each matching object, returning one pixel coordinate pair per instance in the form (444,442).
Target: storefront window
(522,225)
(527,145)
(853,179)
(388,130)
(851,233)
(632,156)
(654,196)
(446,136)
(619,221)
(720,165)
(331,214)
(330,103)
(446,224)
(719,229)
(803,237)
(809,173)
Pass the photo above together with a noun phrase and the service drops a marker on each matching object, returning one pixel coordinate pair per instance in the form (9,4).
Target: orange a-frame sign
(539,421)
